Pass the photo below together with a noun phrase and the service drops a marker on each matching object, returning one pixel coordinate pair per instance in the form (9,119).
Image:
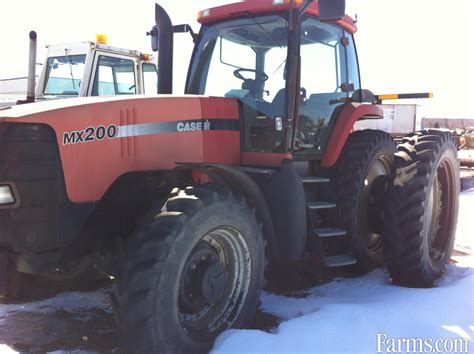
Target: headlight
(6,195)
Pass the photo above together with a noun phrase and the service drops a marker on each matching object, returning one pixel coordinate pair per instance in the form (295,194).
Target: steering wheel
(259,75)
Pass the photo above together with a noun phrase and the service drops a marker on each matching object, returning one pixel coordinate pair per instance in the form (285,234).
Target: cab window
(329,74)
(150,78)
(64,75)
(114,76)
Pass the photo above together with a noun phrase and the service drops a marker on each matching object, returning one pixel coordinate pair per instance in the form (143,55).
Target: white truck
(85,69)
(398,120)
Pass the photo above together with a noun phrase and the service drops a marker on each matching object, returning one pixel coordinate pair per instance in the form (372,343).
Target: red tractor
(192,201)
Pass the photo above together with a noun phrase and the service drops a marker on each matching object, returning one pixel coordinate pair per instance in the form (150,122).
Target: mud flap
(286,199)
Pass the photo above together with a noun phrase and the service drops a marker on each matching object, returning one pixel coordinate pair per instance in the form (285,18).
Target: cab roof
(86,47)
(262,7)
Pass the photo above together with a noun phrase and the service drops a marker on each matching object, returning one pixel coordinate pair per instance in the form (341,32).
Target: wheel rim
(214,283)
(440,206)
(371,204)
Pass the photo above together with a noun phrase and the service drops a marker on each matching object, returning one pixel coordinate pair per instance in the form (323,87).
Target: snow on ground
(345,315)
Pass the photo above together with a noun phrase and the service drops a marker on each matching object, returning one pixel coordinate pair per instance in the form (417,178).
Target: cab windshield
(64,75)
(244,58)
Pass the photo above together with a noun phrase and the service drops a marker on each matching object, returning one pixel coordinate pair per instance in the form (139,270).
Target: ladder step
(329,232)
(320,205)
(311,179)
(339,261)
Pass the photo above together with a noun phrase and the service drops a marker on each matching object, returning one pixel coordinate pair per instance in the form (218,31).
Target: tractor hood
(39,107)
(10,100)
(101,138)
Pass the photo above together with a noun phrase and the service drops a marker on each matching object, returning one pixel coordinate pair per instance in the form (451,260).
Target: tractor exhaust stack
(30,92)
(162,41)
(30,89)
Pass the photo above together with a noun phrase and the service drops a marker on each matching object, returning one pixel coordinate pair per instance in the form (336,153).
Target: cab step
(339,261)
(329,232)
(312,179)
(320,205)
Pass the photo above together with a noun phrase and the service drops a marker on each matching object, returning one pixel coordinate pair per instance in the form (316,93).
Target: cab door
(329,76)
(149,78)
(114,75)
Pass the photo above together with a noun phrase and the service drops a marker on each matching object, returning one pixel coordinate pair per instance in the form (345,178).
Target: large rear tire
(360,179)
(421,208)
(194,268)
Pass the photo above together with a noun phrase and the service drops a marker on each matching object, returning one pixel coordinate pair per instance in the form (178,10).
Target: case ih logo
(193,126)
(90,134)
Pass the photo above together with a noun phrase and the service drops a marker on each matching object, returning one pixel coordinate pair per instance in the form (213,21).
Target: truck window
(64,75)
(114,76)
(150,78)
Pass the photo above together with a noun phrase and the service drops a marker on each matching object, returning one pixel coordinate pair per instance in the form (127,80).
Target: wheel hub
(204,281)
(374,186)
(213,282)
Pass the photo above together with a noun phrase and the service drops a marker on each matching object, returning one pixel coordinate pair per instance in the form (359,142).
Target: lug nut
(192,266)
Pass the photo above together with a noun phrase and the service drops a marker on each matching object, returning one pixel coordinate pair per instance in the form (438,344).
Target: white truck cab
(94,69)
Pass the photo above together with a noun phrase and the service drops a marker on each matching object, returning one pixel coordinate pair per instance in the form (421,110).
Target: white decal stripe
(126,131)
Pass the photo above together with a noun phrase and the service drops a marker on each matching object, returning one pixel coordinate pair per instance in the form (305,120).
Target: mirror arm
(303,7)
(184,29)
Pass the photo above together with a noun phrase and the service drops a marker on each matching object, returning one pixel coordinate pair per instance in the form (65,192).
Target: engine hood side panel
(100,140)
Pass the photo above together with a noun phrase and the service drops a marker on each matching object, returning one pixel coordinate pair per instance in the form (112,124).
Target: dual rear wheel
(360,179)
(421,208)
(399,206)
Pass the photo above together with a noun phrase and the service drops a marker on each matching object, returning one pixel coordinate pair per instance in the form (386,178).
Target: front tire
(194,269)
(421,208)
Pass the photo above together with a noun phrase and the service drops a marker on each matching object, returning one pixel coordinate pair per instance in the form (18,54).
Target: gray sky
(404,45)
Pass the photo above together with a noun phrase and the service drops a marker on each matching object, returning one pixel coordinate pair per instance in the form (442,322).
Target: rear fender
(346,119)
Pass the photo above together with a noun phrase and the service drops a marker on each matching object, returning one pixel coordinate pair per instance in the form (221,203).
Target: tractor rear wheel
(361,176)
(421,208)
(194,269)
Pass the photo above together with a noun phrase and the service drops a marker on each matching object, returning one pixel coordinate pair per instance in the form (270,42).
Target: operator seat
(278,104)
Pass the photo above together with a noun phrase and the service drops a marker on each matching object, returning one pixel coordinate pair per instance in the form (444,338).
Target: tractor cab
(95,69)
(246,50)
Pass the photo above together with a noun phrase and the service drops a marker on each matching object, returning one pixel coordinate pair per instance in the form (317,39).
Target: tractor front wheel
(421,208)
(194,269)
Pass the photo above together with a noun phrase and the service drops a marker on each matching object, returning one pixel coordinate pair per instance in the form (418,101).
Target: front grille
(29,158)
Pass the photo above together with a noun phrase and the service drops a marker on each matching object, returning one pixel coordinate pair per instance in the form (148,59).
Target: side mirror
(155,38)
(331,10)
